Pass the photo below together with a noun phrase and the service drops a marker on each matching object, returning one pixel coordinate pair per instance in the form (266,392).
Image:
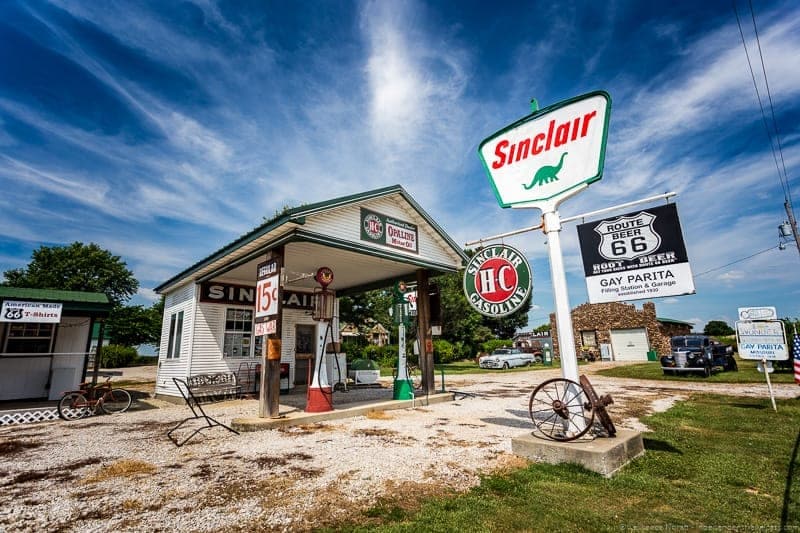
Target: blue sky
(163,130)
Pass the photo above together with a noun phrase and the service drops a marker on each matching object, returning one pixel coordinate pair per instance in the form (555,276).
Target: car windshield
(501,351)
(692,342)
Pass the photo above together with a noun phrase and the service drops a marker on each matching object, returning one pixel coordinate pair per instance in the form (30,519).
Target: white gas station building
(368,240)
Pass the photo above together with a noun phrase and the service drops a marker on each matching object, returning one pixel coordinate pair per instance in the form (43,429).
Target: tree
(718,328)
(541,329)
(134,325)
(76,267)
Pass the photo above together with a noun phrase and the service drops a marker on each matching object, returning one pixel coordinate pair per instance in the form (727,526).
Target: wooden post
(270,379)
(100,332)
(423,332)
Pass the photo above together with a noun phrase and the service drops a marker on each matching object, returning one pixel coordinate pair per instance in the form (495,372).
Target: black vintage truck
(698,353)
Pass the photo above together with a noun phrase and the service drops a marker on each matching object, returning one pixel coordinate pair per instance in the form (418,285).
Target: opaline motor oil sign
(635,256)
(497,280)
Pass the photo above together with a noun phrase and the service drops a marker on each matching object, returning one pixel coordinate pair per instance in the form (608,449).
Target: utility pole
(792,223)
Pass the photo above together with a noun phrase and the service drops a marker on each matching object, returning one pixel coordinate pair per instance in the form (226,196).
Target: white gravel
(122,473)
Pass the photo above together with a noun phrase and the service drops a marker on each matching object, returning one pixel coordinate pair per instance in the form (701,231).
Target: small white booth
(367,240)
(44,339)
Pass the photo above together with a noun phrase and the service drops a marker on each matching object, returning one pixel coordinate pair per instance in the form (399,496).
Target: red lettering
(537,149)
(586,118)
(549,135)
(562,133)
(575,128)
(498,151)
(522,149)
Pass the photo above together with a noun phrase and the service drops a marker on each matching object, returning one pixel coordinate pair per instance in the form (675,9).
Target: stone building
(620,331)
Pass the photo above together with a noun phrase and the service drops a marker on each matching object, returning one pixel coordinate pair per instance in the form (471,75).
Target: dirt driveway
(122,473)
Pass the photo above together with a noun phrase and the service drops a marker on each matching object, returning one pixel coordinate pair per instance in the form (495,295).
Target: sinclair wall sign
(548,155)
(497,281)
(634,256)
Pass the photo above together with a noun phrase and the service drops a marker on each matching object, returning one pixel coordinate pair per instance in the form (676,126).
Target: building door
(629,344)
(303,352)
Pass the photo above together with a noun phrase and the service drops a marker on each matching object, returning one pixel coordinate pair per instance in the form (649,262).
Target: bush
(444,352)
(115,356)
(491,345)
(353,349)
(386,356)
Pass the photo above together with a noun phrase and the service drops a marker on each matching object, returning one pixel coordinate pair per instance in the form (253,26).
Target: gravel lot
(122,473)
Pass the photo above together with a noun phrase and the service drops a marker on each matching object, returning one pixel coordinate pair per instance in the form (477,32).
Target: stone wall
(602,318)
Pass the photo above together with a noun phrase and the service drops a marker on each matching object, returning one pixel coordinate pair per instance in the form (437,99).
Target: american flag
(796,352)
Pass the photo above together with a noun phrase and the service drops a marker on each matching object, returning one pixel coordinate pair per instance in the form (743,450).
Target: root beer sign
(497,281)
(549,154)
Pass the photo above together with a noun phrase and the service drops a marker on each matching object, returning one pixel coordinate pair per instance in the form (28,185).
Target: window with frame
(589,338)
(29,337)
(175,335)
(238,333)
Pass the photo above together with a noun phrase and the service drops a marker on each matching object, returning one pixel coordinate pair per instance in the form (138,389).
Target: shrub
(353,349)
(115,356)
(491,345)
(444,352)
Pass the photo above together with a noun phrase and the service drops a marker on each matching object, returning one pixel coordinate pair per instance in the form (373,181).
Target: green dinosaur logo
(546,174)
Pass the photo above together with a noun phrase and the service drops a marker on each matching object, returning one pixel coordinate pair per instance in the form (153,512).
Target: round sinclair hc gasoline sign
(497,281)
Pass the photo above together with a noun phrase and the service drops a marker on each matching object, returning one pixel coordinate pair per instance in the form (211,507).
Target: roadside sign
(761,340)
(635,256)
(758,313)
(547,155)
(497,281)
(268,297)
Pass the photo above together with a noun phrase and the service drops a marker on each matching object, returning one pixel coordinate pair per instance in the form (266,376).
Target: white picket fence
(28,416)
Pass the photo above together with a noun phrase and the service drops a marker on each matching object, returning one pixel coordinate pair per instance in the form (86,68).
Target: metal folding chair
(197,412)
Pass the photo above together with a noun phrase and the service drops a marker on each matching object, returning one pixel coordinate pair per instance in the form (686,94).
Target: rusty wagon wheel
(598,405)
(558,408)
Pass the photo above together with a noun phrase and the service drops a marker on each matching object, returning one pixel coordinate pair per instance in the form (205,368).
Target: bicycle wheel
(415,375)
(116,401)
(73,406)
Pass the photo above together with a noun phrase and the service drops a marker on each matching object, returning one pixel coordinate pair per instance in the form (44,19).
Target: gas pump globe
(324,300)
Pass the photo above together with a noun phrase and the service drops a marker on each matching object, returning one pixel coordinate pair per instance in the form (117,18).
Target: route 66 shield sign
(628,237)
(635,256)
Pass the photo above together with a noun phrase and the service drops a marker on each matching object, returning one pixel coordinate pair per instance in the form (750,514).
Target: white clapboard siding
(209,339)
(181,299)
(345,223)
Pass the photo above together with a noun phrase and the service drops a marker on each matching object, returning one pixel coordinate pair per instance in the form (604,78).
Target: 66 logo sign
(628,237)
(498,281)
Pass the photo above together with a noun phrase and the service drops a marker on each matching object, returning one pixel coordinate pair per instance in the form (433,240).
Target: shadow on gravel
(508,422)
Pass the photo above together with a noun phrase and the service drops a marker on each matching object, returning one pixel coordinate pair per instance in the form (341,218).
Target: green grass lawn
(712,462)
(471,367)
(652,370)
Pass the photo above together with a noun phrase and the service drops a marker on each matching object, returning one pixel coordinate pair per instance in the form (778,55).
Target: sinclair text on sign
(635,256)
(497,281)
(763,339)
(549,153)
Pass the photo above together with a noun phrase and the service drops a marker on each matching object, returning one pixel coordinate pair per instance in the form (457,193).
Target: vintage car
(506,358)
(698,353)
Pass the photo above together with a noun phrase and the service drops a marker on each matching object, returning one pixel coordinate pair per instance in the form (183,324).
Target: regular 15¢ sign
(498,281)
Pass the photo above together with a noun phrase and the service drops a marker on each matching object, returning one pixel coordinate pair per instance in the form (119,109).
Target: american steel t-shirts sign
(547,155)
(497,280)
(635,256)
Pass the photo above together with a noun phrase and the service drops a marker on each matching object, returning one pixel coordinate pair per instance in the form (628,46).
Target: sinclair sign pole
(538,162)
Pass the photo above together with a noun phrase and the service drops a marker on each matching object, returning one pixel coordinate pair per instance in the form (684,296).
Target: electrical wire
(758,97)
(737,261)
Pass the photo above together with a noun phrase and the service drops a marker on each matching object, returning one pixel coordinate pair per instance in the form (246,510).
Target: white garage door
(629,344)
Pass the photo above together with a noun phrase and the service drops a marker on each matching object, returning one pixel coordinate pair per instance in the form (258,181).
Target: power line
(737,261)
(758,97)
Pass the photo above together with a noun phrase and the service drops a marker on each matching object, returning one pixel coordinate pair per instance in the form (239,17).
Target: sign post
(267,322)
(540,161)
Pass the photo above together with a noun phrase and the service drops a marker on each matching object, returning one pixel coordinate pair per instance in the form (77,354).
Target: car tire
(732,366)
(505,366)
(537,359)
(706,371)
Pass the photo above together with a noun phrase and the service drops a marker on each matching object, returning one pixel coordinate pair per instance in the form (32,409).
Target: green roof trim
(673,321)
(297,215)
(94,302)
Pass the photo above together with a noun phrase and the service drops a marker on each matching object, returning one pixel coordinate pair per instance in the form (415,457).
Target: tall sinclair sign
(540,161)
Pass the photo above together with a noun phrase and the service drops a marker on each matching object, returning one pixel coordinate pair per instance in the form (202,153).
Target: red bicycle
(80,403)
